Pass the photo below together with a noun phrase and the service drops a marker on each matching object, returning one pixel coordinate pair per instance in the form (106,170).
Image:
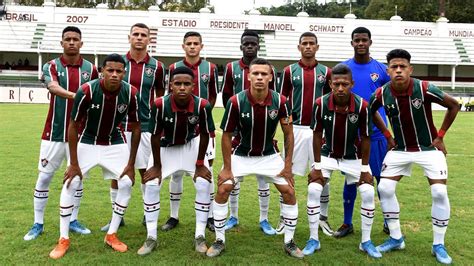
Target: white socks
(290,218)
(234,201)
(263,197)
(313,208)
(151,207)
(220,217)
(66,205)
(201,205)
(367,210)
(390,206)
(440,212)
(176,189)
(41,193)
(124,193)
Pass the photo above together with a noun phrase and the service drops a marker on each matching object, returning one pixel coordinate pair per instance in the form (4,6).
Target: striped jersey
(410,113)
(255,123)
(70,78)
(205,78)
(302,85)
(179,126)
(236,80)
(341,128)
(148,76)
(102,112)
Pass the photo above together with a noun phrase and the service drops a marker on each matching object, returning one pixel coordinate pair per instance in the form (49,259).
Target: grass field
(19,149)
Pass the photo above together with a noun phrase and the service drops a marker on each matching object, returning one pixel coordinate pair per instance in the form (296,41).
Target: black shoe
(210,224)
(344,230)
(170,224)
(385,229)
(292,249)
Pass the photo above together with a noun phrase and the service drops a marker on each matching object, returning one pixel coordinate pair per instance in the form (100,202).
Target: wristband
(387,134)
(199,162)
(441,133)
(316,165)
(365,168)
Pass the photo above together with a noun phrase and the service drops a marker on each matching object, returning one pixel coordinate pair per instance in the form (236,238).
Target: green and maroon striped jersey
(70,78)
(410,113)
(341,128)
(179,126)
(236,80)
(255,123)
(102,112)
(148,76)
(205,78)
(302,85)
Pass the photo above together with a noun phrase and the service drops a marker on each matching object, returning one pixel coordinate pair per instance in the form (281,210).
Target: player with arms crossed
(255,114)
(177,147)
(101,105)
(407,102)
(62,76)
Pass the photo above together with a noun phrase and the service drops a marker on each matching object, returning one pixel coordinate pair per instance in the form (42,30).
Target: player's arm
(288,144)
(50,76)
(228,125)
(380,124)
(365,129)
(213,85)
(134,123)
(206,126)
(227,84)
(160,77)
(315,175)
(155,128)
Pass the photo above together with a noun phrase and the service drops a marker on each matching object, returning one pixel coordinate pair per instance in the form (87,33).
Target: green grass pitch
(19,148)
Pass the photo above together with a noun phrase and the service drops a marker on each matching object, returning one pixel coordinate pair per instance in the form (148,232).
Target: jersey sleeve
(227,88)
(231,115)
(82,101)
(365,120)
(284,111)
(316,121)
(133,105)
(285,82)
(327,88)
(155,125)
(160,75)
(375,101)
(213,84)
(206,122)
(432,93)
(50,72)
(274,83)
(95,73)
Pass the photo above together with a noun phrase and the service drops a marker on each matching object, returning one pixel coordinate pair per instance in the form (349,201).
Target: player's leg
(176,189)
(264,202)
(234,208)
(113,196)
(201,206)
(349,195)
(378,149)
(211,155)
(76,226)
(313,210)
(323,217)
(151,208)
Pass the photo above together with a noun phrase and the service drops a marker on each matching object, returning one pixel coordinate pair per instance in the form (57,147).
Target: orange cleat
(113,241)
(60,249)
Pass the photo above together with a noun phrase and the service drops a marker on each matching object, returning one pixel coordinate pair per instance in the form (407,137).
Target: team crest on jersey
(122,108)
(85,75)
(194,119)
(321,78)
(44,162)
(205,77)
(273,114)
(374,77)
(148,72)
(416,103)
(353,118)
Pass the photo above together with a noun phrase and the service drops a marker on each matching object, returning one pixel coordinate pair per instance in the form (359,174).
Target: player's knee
(314,190)
(224,189)
(386,188)
(366,193)
(44,179)
(125,182)
(439,192)
(201,185)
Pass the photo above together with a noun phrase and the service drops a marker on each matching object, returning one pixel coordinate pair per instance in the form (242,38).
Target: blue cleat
(369,248)
(391,244)
(311,246)
(35,231)
(267,228)
(441,254)
(76,227)
(231,223)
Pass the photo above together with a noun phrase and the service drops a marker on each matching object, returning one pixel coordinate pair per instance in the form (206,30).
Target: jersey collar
(407,92)
(65,64)
(192,66)
(267,102)
(145,60)
(332,105)
(300,63)
(189,108)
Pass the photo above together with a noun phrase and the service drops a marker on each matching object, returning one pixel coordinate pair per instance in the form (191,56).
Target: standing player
(101,105)
(255,114)
(236,80)
(176,147)
(407,102)
(303,82)
(342,116)
(368,74)
(205,81)
(63,76)
(147,75)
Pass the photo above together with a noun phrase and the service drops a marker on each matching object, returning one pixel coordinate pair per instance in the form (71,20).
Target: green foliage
(411,10)
(191,6)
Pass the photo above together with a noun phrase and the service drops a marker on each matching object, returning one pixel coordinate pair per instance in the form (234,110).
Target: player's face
(71,43)
(249,46)
(182,86)
(260,76)
(399,70)
(341,85)
(192,46)
(361,43)
(113,73)
(308,47)
(139,38)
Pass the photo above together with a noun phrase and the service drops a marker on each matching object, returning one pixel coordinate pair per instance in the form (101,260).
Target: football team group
(138,114)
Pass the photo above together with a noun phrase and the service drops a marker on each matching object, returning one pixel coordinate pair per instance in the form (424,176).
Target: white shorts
(144,149)
(111,158)
(268,166)
(398,163)
(178,158)
(303,155)
(52,155)
(211,149)
(351,168)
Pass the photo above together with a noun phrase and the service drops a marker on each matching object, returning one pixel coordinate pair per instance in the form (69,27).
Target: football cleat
(231,223)
(292,249)
(311,246)
(76,227)
(200,245)
(441,254)
(149,245)
(105,228)
(210,224)
(325,227)
(391,244)
(113,241)
(216,248)
(280,230)
(369,248)
(60,249)
(35,231)
(344,230)
(170,224)
(267,228)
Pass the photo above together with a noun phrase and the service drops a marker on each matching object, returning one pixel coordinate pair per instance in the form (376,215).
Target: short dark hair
(398,53)
(73,29)
(192,34)
(181,70)
(113,58)
(341,69)
(140,25)
(249,33)
(308,34)
(260,61)
(361,30)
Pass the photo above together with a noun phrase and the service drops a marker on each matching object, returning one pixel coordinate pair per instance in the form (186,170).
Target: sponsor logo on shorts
(321,78)
(85,75)
(194,119)
(416,103)
(353,118)
(44,162)
(122,108)
(148,72)
(273,114)
(374,77)
(205,77)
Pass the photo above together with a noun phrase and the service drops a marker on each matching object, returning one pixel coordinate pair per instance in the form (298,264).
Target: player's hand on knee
(366,178)
(70,173)
(288,175)
(202,171)
(316,176)
(152,173)
(129,170)
(438,143)
(225,175)
(391,144)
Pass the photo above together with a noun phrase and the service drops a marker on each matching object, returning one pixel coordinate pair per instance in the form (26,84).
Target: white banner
(24,95)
